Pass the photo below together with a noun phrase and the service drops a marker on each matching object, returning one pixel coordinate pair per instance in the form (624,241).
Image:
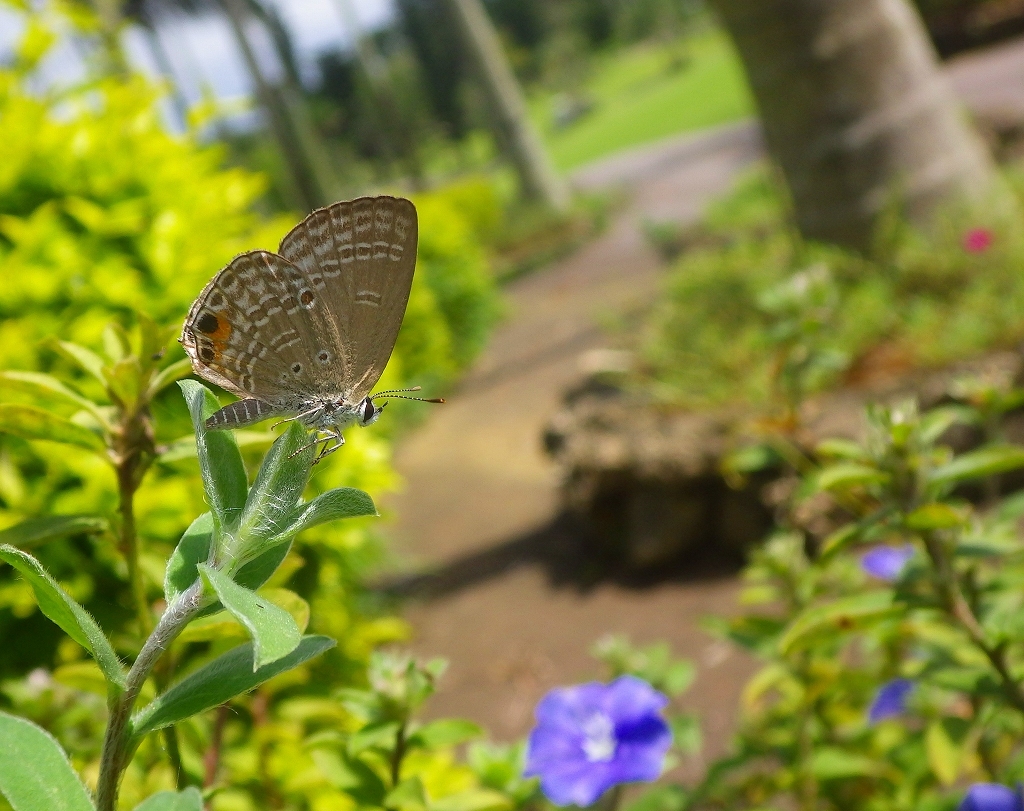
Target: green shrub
(925,301)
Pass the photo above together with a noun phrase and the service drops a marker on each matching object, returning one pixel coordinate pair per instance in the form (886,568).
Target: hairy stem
(117,742)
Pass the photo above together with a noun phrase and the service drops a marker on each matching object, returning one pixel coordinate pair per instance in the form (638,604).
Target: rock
(647,480)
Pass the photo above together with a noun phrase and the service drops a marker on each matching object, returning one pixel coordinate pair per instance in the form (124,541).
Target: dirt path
(505,601)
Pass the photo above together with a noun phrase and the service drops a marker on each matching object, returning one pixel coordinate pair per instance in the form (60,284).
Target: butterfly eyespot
(306,298)
(296,368)
(207,353)
(323,356)
(208,323)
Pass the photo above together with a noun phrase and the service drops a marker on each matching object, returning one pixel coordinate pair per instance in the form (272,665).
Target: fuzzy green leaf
(191,799)
(227,676)
(192,549)
(220,463)
(342,502)
(29,422)
(69,616)
(273,631)
(35,774)
(38,531)
(277,488)
(978,464)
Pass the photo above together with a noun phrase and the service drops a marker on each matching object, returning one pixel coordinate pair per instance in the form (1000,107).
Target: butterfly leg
(317,438)
(328,449)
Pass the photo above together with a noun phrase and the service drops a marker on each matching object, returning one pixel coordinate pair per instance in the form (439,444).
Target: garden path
(499,591)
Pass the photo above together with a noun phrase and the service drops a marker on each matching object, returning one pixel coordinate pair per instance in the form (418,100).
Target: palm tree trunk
(508,109)
(855,110)
(309,167)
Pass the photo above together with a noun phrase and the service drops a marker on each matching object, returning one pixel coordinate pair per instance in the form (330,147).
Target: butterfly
(305,333)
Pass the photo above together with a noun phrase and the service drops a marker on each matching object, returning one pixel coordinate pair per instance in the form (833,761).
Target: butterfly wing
(359,258)
(250,332)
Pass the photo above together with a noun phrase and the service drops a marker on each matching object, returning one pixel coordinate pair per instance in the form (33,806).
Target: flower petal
(886,562)
(629,698)
(890,700)
(991,797)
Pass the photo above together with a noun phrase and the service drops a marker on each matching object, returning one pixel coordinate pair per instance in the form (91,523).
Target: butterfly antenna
(397,395)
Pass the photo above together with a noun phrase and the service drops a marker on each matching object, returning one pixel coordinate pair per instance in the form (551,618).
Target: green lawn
(640,98)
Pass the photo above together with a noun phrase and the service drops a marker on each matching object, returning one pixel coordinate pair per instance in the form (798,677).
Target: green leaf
(834,763)
(342,502)
(86,358)
(36,383)
(978,464)
(69,616)
(35,774)
(474,799)
(273,631)
(935,516)
(945,756)
(841,614)
(849,475)
(686,733)
(224,678)
(256,572)
(193,548)
(352,776)
(840,449)
(191,799)
(29,422)
(167,375)
(38,531)
(408,795)
(220,463)
(378,735)
(277,489)
(445,732)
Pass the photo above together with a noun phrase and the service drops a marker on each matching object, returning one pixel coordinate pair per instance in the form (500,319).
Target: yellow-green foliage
(104,213)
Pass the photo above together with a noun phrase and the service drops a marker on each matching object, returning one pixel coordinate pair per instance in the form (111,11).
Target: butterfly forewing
(357,259)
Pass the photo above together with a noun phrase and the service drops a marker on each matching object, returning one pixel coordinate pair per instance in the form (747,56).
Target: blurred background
(652,233)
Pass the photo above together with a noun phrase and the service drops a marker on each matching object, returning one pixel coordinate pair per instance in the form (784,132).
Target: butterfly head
(368,412)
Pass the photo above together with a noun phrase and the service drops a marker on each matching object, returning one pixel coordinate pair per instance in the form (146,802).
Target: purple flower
(991,797)
(978,240)
(594,736)
(890,700)
(886,562)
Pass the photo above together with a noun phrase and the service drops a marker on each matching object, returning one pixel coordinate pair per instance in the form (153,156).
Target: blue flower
(890,700)
(594,736)
(886,562)
(991,797)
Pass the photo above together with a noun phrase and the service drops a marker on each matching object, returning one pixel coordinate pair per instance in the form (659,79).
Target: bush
(917,302)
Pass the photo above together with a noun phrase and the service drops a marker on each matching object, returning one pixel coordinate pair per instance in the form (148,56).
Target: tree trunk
(508,109)
(857,113)
(309,168)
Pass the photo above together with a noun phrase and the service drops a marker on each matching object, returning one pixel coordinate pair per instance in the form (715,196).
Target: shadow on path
(570,559)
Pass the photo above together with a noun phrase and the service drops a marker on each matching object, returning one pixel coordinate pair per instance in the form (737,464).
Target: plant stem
(117,742)
(959,609)
(397,755)
(211,760)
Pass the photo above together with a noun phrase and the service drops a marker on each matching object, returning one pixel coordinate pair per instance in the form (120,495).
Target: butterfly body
(306,333)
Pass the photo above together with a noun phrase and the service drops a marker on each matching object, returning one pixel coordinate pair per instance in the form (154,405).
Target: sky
(203,52)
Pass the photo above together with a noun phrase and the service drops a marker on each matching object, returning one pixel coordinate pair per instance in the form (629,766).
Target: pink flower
(978,240)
